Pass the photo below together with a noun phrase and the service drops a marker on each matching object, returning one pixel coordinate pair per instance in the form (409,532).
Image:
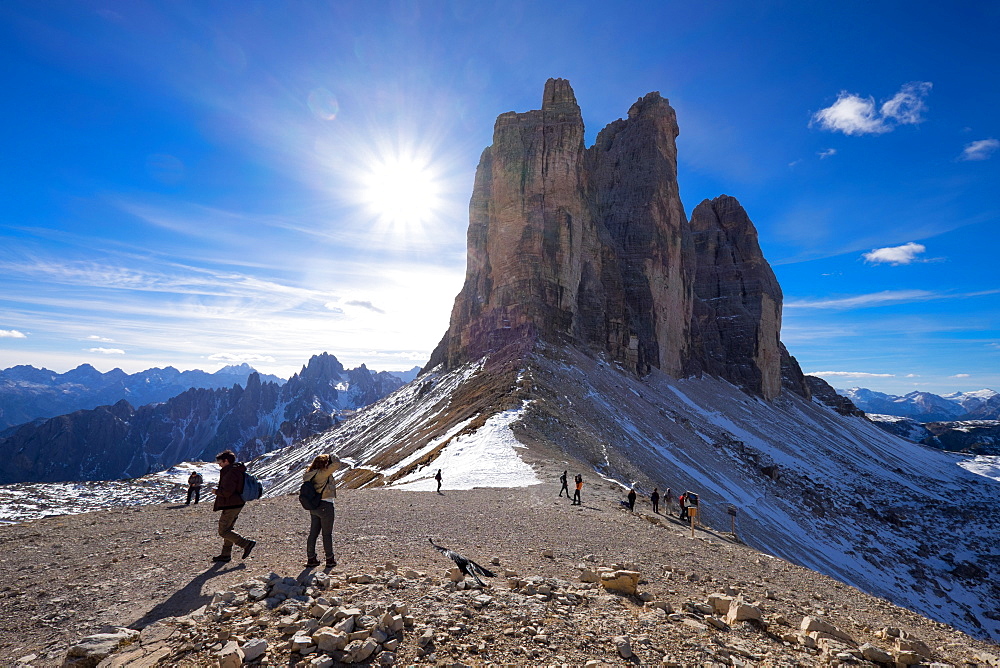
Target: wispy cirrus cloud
(106,351)
(240,358)
(908,253)
(863,301)
(980,150)
(101,339)
(12,334)
(826,153)
(853,114)
(960,375)
(365,305)
(850,374)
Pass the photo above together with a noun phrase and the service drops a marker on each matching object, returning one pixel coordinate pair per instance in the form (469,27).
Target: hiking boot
(312,563)
(249,548)
(222,558)
(331,562)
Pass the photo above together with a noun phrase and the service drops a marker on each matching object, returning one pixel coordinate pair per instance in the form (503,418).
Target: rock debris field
(578,585)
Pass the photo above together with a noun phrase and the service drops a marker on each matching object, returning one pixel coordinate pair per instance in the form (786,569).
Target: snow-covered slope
(834,493)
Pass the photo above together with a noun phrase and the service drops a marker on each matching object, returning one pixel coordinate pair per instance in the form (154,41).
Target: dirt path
(66,577)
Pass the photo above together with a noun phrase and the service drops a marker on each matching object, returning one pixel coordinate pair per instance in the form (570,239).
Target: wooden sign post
(731,510)
(693,515)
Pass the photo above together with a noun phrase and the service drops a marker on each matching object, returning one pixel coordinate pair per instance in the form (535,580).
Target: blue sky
(200,183)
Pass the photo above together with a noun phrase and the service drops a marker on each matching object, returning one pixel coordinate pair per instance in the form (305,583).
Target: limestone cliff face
(737,315)
(591,246)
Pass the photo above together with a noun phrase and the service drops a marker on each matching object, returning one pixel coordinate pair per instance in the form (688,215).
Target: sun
(401,190)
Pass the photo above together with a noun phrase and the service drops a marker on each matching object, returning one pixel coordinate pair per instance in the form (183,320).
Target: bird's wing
(476,568)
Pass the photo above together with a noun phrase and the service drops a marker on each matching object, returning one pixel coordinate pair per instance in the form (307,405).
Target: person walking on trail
(576,494)
(655,498)
(195,481)
(631,499)
(565,487)
(437,477)
(230,502)
(320,473)
(669,499)
(687,500)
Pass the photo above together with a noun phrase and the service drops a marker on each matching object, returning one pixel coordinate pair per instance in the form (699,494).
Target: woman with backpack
(320,474)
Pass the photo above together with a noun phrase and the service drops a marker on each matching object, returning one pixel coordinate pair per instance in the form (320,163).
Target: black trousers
(196,492)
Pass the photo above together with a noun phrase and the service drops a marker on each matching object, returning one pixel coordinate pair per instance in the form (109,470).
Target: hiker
(564,487)
(195,482)
(631,499)
(320,472)
(576,494)
(684,511)
(669,499)
(229,501)
(688,500)
(437,477)
(655,498)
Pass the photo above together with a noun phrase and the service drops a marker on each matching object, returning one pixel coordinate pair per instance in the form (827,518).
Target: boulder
(254,649)
(625,582)
(873,653)
(230,656)
(329,640)
(92,649)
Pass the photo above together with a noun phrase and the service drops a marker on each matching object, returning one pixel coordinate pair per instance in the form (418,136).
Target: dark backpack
(309,497)
(252,488)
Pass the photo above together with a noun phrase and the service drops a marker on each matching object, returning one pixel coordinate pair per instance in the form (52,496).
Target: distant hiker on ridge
(576,494)
(437,477)
(631,498)
(195,482)
(565,487)
(320,474)
(655,498)
(229,501)
(669,499)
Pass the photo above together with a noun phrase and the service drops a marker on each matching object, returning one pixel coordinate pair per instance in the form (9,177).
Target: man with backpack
(229,500)
(195,482)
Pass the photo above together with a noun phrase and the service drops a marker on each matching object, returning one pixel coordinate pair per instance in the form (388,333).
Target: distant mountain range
(27,393)
(121,441)
(926,407)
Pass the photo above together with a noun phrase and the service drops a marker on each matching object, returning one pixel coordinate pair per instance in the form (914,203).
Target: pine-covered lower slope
(833,493)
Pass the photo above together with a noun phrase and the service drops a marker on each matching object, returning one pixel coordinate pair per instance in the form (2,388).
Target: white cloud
(12,334)
(979,150)
(851,374)
(365,304)
(853,114)
(906,106)
(107,351)
(94,337)
(895,255)
(826,153)
(961,375)
(239,358)
(862,301)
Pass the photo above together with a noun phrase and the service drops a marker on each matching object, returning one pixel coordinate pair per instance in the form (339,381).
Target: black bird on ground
(467,566)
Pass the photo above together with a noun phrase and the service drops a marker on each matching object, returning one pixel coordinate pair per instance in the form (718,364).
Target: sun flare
(401,190)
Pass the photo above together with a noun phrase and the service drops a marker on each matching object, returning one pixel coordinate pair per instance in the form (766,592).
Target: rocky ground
(392,595)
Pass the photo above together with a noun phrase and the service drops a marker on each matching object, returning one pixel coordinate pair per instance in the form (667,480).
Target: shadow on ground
(185,600)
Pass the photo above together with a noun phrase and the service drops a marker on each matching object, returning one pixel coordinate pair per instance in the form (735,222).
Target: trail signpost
(693,515)
(731,511)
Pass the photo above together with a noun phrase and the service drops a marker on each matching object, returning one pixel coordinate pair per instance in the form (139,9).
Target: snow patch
(984,465)
(484,458)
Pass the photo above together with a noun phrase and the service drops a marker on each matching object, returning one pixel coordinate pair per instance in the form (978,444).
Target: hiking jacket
(195,480)
(230,486)
(321,477)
